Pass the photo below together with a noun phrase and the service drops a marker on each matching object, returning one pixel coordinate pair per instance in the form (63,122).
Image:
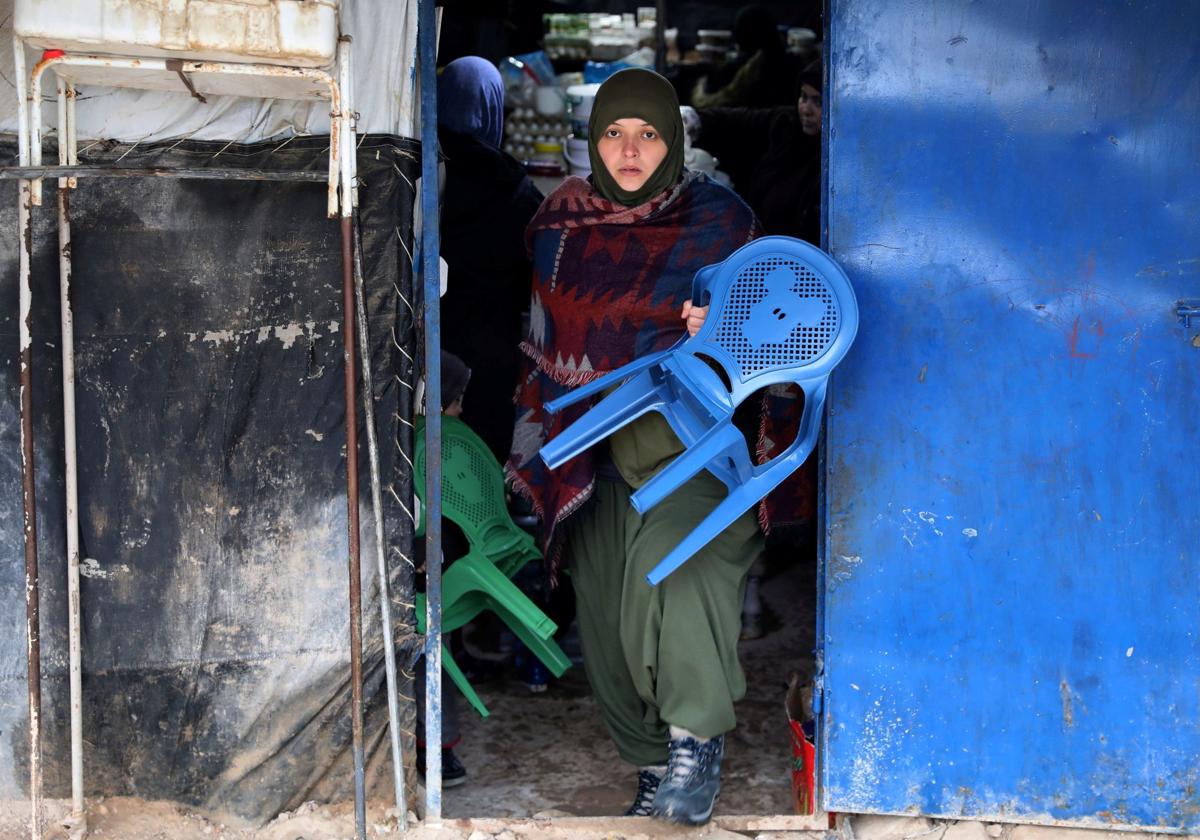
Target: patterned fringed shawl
(609,282)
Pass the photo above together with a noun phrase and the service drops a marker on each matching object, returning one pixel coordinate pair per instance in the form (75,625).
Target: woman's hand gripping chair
(781,311)
(473,499)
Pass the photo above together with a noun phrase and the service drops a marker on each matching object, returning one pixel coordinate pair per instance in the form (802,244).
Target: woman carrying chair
(614,260)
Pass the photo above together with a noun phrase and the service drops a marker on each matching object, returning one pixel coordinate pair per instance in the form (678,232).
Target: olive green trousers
(665,655)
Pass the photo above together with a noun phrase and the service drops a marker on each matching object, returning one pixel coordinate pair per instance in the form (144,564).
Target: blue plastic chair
(781,311)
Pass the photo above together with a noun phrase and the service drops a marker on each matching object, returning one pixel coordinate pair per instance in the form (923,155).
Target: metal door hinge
(1186,311)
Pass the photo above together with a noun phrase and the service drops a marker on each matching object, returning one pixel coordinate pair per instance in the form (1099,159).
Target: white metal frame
(341,166)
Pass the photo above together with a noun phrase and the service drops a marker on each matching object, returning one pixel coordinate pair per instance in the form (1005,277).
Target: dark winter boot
(693,779)
(453,771)
(649,778)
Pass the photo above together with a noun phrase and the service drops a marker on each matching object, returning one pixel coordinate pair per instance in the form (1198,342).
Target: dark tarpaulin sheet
(211,480)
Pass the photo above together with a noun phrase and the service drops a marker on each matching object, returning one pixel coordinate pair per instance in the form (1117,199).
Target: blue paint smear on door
(1012,562)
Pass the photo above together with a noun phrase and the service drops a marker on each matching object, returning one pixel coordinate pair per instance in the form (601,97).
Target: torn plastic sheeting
(208,357)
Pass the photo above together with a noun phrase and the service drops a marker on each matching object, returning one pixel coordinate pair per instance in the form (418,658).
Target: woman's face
(809,107)
(631,150)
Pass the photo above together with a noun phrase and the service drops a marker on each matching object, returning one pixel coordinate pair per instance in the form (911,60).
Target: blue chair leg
(712,445)
(722,516)
(740,500)
(619,408)
(598,386)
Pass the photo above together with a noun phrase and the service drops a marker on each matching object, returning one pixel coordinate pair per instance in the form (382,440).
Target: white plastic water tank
(298,33)
(576,155)
(579,102)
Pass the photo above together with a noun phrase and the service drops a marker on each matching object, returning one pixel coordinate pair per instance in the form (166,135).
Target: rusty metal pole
(340,125)
(33,650)
(354,568)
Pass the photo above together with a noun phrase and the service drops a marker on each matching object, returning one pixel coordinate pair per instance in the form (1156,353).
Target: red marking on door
(1075,353)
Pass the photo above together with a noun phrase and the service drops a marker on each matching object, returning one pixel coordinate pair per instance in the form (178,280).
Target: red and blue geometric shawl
(609,282)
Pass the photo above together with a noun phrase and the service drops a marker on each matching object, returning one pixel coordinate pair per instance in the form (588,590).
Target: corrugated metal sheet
(1012,601)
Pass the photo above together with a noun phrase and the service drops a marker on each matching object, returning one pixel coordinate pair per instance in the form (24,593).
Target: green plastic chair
(473,499)
(473,496)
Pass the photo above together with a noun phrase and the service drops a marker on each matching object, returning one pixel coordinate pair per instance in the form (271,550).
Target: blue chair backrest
(781,310)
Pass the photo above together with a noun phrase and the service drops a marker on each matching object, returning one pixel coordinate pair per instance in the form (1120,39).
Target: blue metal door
(1012,560)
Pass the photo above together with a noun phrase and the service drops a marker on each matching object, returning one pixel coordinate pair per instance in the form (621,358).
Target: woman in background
(773,156)
(486,204)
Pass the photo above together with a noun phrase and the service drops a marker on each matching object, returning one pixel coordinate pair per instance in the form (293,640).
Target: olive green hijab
(645,95)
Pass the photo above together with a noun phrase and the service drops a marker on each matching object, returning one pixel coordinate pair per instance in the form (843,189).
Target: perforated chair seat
(781,311)
(473,496)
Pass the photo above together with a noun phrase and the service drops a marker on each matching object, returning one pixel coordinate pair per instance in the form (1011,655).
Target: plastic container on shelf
(548,100)
(579,104)
(297,33)
(716,37)
(800,39)
(576,154)
(547,158)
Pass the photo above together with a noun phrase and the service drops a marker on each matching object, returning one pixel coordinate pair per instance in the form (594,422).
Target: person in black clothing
(487,200)
(760,74)
(773,157)
(486,204)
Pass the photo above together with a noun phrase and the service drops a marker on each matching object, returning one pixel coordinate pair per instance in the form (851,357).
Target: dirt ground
(549,751)
(542,767)
(133,819)
(536,753)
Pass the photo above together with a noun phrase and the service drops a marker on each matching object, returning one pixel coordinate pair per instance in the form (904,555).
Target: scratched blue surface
(1012,601)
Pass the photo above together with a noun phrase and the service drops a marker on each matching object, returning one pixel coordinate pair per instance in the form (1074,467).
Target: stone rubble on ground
(128,819)
(966,830)
(876,827)
(1038,832)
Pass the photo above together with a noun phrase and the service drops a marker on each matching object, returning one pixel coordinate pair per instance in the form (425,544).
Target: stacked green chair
(473,499)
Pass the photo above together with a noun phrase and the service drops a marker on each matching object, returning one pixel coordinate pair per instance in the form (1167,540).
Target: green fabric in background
(644,447)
